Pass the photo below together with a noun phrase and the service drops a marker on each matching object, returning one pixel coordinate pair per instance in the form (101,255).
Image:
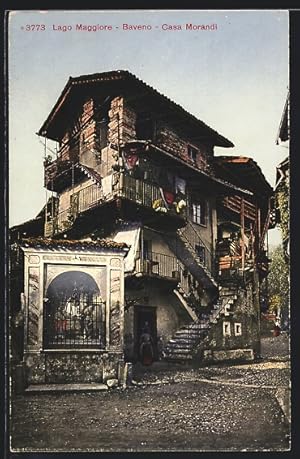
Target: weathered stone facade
(133,164)
(236,335)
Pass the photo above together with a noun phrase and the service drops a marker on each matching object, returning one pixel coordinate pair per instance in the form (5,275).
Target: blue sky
(234,78)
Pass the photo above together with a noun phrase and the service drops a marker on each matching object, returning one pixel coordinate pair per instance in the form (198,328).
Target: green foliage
(282,200)
(278,282)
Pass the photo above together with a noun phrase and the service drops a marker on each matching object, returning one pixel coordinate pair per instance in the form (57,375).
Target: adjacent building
(144,227)
(282,182)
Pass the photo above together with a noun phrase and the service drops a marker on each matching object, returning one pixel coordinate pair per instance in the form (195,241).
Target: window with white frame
(226,329)
(199,212)
(237,329)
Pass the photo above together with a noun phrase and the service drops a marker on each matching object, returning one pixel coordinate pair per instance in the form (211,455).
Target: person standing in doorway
(146,345)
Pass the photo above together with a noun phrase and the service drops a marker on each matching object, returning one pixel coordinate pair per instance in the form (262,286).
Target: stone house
(136,169)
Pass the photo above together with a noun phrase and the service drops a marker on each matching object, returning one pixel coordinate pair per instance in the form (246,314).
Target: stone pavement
(169,408)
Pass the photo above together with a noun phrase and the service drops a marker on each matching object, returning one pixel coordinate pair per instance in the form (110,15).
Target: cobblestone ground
(169,408)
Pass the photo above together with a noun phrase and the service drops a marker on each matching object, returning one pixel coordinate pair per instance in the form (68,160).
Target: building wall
(169,314)
(168,139)
(158,244)
(65,196)
(122,121)
(121,129)
(242,325)
(160,247)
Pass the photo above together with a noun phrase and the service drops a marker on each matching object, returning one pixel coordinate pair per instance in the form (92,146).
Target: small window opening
(226,329)
(237,329)
(192,153)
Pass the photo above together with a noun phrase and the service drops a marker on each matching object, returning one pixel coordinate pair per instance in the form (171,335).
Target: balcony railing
(65,158)
(199,249)
(149,195)
(136,190)
(89,197)
(158,265)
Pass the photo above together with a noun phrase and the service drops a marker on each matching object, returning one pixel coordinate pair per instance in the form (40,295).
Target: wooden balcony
(58,173)
(234,203)
(158,265)
(144,199)
(137,198)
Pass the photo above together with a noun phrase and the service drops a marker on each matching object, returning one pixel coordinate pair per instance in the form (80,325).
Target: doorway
(143,314)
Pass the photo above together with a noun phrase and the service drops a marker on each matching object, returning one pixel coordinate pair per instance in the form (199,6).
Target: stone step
(193,331)
(184,340)
(179,357)
(180,345)
(188,336)
(176,351)
(198,326)
(80,387)
(179,348)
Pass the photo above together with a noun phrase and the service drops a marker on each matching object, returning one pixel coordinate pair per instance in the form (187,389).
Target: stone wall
(236,331)
(172,142)
(61,367)
(170,315)
(122,121)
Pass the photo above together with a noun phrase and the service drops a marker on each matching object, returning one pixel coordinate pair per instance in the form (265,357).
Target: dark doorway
(143,315)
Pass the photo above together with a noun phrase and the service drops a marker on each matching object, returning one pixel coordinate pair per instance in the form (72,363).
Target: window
(145,126)
(226,329)
(192,153)
(237,329)
(103,133)
(200,251)
(199,212)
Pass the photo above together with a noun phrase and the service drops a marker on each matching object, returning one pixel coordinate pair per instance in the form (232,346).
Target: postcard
(149,231)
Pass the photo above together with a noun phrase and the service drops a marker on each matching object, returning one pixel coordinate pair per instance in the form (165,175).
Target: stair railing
(193,238)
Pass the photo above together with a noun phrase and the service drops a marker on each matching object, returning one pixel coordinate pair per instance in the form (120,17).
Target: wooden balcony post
(259,226)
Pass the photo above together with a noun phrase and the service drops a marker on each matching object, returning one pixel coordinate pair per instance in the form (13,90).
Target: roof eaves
(245,160)
(61,98)
(119,75)
(40,242)
(215,179)
(27,222)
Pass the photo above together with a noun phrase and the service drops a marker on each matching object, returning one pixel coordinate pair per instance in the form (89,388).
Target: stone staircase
(180,347)
(185,238)
(180,245)
(187,338)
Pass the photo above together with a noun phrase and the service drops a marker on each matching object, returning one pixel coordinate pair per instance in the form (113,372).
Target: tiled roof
(247,172)
(45,243)
(126,77)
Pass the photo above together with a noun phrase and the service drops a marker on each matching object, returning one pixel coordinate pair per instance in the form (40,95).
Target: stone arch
(73,310)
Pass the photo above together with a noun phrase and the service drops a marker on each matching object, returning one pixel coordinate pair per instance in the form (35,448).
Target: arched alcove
(74,312)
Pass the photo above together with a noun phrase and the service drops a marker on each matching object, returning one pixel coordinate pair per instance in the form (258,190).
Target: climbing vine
(278,283)
(282,198)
